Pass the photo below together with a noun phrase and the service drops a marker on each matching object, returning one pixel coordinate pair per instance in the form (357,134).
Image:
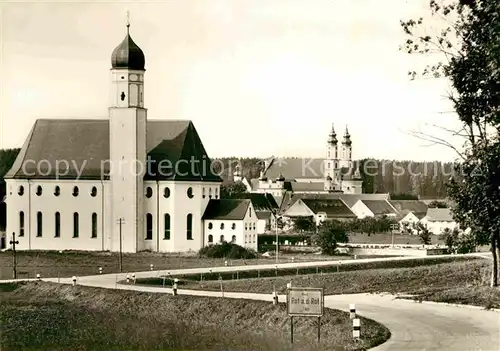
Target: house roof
(379,207)
(407,206)
(263,214)
(260,201)
(295,168)
(174,151)
(351,199)
(439,215)
(334,208)
(227,209)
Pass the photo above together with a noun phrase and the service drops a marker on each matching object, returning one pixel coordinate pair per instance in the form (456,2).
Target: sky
(257,78)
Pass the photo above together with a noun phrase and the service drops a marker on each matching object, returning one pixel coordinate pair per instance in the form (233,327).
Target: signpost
(305,302)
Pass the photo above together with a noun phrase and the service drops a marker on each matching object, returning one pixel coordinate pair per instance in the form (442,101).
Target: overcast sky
(257,77)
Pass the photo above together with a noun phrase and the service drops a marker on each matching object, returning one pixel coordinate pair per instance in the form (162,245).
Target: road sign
(305,302)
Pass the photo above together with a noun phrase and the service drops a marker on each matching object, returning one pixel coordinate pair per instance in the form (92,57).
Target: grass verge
(56,317)
(463,281)
(68,263)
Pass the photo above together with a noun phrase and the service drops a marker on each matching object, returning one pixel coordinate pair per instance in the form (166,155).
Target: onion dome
(332,137)
(347,138)
(128,55)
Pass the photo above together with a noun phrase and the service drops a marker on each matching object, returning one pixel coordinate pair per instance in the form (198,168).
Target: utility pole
(121,221)
(13,242)
(277,244)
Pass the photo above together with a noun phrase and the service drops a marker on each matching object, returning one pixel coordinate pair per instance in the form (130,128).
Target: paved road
(413,326)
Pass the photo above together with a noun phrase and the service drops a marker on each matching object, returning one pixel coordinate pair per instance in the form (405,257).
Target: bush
(329,235)
(226,250)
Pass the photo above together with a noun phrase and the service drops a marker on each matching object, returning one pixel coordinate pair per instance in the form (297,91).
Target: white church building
(124,182)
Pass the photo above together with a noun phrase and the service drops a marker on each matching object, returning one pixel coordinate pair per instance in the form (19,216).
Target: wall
(178,205)
(299,208)
(48,204)
(436,227)
(360,210)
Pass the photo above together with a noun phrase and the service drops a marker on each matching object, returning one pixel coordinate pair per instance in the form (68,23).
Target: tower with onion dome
(127,138)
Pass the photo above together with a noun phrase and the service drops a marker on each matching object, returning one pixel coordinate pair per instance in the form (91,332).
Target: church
(122,183)
(336,173)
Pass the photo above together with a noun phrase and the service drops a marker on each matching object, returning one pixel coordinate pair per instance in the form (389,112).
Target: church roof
(310,186)
(295,168)
(81,146)
(226,209)
(128,55)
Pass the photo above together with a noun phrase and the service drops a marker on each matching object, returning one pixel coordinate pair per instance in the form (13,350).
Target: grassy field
(462,281)
(48,316)
(68,263)
(386,238)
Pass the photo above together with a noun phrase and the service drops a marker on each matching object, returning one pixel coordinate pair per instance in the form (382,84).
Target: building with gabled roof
(119,183)
(439,219)
(373,208)
(231,220)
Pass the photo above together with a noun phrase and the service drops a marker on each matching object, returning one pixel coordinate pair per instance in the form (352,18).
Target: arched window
(57,233)
(222,226)
(250,212)
(93,192)
(76,225)
(189,227)
(209,193)
(57,190)
(167,227)
(203,193)
(190,192)
(254,226)
(20,191)
(166,192)
(21,223)
(38,190)
(210,238)
(39,224)
(94,225)
(246,238)
(210,225)
(149,192)
(216,193)
(254,236)
(246,226)
(233,226)
(75,191)
(233,239)
(222,238)
(149,226)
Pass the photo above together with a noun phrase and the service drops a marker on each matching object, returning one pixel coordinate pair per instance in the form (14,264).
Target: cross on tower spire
(128,20)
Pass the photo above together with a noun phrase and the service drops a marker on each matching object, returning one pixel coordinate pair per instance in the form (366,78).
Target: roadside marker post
(100,270)
(352,311)
(225,263)
(38,277)
(133,277)
(128,279)
(74,280)
(275,298)
(356,332)
(174,289)
(151,266)
(221,287)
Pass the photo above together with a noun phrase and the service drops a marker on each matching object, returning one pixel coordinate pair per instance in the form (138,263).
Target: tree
(469,42)
(424,234)
(304,224)
(437,204)
(232,190)
(329,235)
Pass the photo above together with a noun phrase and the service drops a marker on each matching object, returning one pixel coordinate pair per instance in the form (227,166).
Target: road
(414,326)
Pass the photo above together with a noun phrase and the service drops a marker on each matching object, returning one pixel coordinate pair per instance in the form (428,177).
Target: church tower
(331,161)
(127,129)
(346,151)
